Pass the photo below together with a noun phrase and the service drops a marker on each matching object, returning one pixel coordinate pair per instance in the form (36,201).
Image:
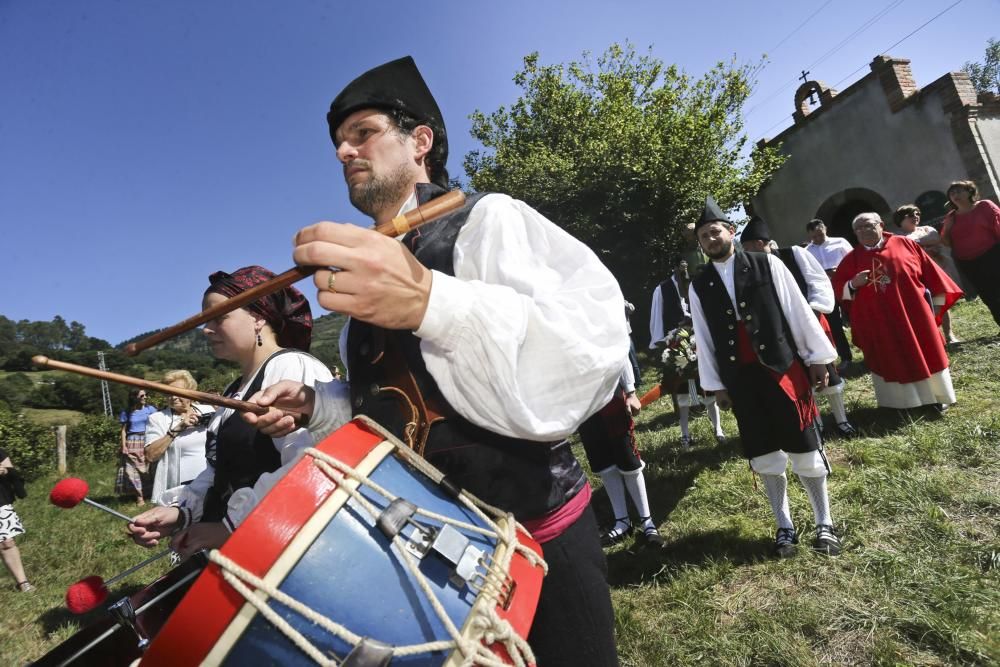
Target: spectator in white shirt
(828,251)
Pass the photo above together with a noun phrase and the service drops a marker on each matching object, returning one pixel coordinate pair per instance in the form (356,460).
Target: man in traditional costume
(816,288)
(884,280)
(506,326)
(669,310)
(762,350)
(829,251)
(608,439)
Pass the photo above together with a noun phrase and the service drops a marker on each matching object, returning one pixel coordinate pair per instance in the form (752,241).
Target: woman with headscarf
(268,339)
(175,437)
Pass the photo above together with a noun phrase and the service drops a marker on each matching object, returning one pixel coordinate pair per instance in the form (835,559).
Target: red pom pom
(68,493)
(86,594)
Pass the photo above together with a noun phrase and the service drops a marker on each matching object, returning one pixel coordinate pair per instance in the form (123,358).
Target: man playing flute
(505,327)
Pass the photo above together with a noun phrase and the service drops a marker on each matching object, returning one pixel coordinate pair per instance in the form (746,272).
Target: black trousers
(836,320)
(766,417)
(984,274)
(575,624)
(608,437)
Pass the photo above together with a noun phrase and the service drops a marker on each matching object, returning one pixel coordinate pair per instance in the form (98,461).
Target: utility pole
(105,391)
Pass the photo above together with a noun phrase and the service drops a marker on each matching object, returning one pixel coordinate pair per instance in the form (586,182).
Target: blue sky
(144,145)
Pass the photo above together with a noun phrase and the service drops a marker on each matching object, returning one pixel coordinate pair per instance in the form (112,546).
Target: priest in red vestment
(884,281)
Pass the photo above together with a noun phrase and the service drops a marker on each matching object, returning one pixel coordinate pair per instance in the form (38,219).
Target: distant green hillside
(22,385)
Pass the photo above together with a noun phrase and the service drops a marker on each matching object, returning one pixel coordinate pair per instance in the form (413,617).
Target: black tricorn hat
(395,85)
(756,230)
(712,213)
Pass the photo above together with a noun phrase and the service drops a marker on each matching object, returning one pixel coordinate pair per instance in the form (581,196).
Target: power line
(788,37)
(844,42)
(883,52)
(910,34)
(799,27)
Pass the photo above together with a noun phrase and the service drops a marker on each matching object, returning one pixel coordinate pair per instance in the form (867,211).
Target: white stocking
(818,498)
(835,396)
(683,416)
(712,408)
(615,488)
(777,492)
(635,482)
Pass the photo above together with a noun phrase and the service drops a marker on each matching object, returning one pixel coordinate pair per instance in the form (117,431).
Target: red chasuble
(891,321)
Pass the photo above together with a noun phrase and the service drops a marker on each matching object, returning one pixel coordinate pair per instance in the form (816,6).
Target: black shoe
(847,430)
(721,439)
(651,537)
(826,541)
(618,531)
(784,543)
(686,441)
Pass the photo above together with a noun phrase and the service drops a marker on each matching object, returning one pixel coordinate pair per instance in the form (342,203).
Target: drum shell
(332,569)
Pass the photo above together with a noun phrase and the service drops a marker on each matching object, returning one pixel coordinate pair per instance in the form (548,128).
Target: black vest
(239,453)
(526,478)
(787,256)
(673,312)
(758,304)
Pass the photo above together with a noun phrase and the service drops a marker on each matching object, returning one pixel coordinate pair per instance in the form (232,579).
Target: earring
(260,342)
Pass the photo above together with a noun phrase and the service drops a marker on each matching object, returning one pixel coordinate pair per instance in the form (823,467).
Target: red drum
(108,643)
(361,555)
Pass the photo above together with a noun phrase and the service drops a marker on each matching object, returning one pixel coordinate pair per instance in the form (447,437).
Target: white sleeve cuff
(448,305)
(332,408)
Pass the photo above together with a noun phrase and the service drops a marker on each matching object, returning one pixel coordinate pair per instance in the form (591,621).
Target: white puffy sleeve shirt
(811,343)
(818,286)
(527,338)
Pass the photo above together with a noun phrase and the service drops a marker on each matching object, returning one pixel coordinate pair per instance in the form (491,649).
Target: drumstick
(401,224)
(200,396)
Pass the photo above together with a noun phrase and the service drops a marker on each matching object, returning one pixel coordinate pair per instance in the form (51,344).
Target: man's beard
(724,251)
(372,196)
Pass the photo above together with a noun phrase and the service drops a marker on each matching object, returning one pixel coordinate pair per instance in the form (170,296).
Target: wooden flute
(401,224)
(200,396)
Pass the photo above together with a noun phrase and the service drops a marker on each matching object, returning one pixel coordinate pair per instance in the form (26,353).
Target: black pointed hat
(395,85)
(756,230)
(712,213)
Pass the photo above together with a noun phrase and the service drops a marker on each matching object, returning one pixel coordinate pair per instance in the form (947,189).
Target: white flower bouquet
(680,357)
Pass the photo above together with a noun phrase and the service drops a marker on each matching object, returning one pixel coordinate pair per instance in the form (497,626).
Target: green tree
(14,389)
(986,75)
(622,153)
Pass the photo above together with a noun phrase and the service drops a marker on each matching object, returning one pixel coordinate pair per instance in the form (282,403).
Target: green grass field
(916,501)
(52,417)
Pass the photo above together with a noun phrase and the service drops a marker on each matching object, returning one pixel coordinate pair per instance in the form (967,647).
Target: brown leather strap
(424,411)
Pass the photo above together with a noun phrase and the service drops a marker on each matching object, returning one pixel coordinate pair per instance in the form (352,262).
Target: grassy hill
(916,500)
(326,333)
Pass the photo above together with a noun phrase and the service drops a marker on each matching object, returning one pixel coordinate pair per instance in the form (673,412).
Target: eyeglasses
(141,396)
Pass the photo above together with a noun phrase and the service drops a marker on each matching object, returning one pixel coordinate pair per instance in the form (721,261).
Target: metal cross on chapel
(805,77)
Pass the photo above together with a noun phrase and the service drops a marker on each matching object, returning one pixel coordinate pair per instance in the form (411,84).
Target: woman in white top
(175,437)
(907,218)
(267,339)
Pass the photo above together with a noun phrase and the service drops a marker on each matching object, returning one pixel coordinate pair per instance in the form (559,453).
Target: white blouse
(184,458)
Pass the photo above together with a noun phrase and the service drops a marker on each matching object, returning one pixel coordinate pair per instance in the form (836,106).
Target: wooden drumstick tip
(40,360)
(131,350)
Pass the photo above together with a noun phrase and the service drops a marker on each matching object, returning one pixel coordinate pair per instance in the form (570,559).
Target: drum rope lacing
(485,624)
